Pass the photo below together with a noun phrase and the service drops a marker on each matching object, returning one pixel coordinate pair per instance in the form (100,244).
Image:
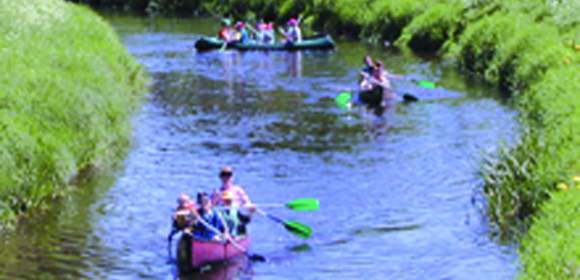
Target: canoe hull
(193,254)
(372,98)
(322,42)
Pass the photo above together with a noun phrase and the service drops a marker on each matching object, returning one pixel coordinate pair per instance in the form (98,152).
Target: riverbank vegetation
(528,48)
(68,86)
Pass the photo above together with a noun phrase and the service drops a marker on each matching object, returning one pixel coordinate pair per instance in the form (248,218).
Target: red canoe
(193,253)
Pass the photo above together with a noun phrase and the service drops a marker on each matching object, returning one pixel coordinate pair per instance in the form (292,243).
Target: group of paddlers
(375,79)
(220,216)
(263,33)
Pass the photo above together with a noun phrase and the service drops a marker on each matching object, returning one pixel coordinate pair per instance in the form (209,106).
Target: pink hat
(240,24)
(292,22)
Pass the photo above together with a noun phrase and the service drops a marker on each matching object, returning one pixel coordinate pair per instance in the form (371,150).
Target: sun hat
(292,22)
(240,24)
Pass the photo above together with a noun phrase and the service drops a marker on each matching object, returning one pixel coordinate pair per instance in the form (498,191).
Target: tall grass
(550,250)
(68,86)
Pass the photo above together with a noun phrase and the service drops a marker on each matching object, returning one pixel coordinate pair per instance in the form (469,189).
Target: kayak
(193,253)
(372,98)
(320,42)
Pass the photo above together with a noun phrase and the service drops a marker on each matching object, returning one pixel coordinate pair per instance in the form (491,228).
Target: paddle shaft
(272,217)
(220,234)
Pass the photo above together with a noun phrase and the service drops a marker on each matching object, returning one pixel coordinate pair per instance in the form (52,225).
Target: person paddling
(226,33)
(269,34)
(260,31)
(242,33)
(241,199)
(376,80)
(210,216)
(293,33)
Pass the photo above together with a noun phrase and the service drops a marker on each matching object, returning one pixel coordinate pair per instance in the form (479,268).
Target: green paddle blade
(426,84)
(304,204)
(343,99)
(298,229)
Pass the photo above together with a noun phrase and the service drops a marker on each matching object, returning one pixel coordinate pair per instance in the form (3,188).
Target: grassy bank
(68,86)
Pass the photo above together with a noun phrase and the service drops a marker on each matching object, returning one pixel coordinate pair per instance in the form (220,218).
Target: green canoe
(321,42)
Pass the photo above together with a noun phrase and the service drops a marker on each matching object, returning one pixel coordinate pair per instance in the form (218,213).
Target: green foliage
(509,49)
(551,249)
(388,18)
(519,180)
(431,29)
(68,88)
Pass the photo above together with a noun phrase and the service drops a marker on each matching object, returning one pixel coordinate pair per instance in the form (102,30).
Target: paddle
(344,99)
(300,204)
(424,83)
(224,46)
(252,257)
(296,228)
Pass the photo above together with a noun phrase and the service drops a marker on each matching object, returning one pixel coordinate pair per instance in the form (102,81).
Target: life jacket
(232,219)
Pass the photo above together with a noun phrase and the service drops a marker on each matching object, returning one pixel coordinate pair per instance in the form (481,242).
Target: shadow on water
(394,189)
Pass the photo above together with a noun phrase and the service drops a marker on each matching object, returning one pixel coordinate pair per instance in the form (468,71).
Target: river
(398,192)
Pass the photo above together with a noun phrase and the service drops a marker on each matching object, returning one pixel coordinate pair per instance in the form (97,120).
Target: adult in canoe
(293,33)
(226,33)
(242,35)
(241,199)
(375,86)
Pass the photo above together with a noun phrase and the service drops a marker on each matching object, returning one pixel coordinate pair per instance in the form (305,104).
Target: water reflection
(295,64)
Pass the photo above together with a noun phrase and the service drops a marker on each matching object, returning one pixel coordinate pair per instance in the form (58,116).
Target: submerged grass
(68,86)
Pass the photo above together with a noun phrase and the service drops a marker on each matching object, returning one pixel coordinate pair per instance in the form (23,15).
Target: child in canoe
(234,218)
(211,226)
(183,217)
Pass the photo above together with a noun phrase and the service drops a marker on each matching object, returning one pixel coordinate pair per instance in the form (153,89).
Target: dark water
(395,190)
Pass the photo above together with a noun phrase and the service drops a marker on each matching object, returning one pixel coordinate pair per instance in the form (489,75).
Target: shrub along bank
(68,86)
